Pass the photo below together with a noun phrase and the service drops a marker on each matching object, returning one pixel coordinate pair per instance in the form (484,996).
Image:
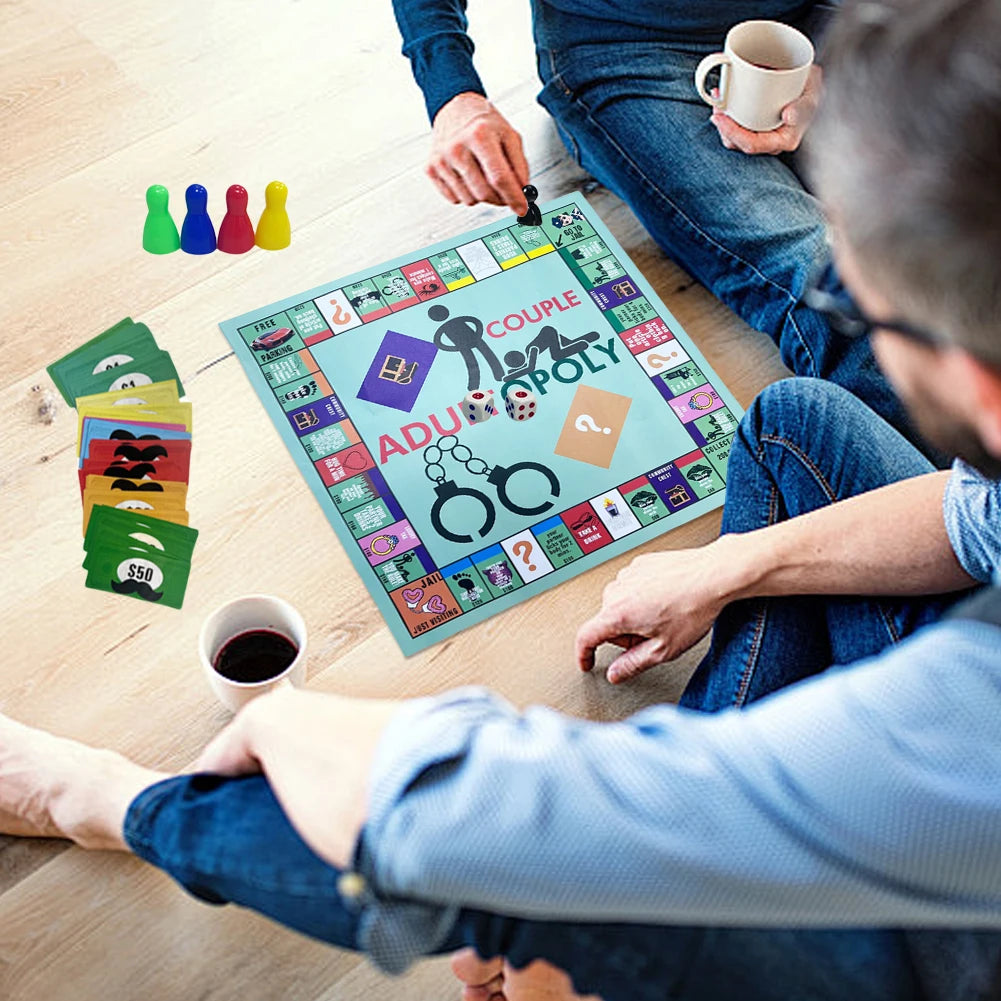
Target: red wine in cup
(256,655)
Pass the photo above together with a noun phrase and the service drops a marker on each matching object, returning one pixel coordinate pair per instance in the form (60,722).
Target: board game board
(447,521)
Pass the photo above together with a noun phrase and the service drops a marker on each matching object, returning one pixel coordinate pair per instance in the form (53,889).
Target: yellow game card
(153,395)
(168,413)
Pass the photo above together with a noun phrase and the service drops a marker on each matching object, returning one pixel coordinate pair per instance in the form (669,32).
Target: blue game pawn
(197,233)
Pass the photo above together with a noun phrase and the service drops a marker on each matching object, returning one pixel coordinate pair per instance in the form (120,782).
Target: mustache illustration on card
(137,472)
(151,486)
(120,434)
(133,454)
(137,587)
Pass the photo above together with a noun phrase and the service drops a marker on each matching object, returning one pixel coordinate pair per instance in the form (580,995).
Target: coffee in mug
(251,646)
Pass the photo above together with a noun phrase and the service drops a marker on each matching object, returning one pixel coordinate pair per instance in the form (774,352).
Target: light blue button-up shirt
(868,796)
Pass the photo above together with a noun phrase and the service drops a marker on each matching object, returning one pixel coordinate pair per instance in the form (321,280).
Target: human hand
(796,119)
(476,156)
(496,980)
(657,608)
(316,751)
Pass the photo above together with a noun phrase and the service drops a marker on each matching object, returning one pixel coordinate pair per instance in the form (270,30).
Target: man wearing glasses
(839,840)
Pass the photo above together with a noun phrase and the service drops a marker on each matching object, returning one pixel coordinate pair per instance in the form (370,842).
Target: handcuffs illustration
(498,477)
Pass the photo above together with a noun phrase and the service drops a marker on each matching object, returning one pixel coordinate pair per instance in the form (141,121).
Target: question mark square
(607,411)
(527,555)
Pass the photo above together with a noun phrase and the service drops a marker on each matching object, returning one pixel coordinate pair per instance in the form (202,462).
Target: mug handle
(702,71)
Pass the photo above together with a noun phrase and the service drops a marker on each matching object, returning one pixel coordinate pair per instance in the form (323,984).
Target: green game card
(299,392)
(718,453)
(566,225)
(452,269)
(505,248)
(595,273)
(468,588)
(139,574)
(325,442)
(497,571)
(394,287)
(286,369)
(587,250)
(717,425)
(631,314)
(369,518)
(140,371)
(113,528)
(704,479)
(307,320)
(533,240)
(687,376)
(349,493)
(364,297)
(645,503)
(119,345)
(558,543)
(399,570)
(272,338)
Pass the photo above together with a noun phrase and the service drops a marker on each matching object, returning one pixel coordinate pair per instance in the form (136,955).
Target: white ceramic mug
(763,67)
(243,615)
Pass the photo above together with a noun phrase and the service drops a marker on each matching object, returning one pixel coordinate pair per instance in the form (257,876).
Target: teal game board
(447,520)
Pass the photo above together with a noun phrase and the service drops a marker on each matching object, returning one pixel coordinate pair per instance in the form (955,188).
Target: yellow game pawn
(274,232)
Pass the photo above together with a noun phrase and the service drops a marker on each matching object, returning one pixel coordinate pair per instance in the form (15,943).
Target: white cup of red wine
(251,646)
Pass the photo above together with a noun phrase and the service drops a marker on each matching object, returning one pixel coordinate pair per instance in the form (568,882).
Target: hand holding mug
(768,88)
(796,119)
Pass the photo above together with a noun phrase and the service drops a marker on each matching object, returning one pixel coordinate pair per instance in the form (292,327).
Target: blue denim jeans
(804,443)
(744,226)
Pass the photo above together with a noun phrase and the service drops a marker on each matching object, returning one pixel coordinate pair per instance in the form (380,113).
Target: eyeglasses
(826,295)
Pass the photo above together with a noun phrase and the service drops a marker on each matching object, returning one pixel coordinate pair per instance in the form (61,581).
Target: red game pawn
(236,234)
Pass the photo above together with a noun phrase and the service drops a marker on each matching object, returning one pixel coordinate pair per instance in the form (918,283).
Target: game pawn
(197,232)
(533,217)
(236,233)
(159,232)
(520,404)
(478,406)
(274,232)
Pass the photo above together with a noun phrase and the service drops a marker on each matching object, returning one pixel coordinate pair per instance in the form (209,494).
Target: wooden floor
(99,99)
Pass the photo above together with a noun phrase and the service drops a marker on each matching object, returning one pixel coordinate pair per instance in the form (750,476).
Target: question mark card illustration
(593,426)
(528,556)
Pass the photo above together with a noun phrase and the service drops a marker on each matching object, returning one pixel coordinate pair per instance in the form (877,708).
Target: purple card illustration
(398,372)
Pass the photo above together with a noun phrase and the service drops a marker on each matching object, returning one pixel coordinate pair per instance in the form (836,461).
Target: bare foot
(497,980)
(51,787)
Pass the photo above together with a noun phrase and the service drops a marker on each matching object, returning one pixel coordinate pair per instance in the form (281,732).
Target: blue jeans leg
(228,840)
(804,444)
(743,226)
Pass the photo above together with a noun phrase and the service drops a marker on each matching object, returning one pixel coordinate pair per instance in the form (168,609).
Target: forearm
(772,815)
(889,541)
(439,49)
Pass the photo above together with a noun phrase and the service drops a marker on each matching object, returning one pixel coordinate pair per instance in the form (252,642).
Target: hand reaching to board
(476,155)
(658,607)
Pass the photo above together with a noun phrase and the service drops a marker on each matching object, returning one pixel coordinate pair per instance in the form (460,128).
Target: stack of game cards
(134,448)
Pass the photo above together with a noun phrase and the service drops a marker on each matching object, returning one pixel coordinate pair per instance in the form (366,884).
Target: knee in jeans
(787,407)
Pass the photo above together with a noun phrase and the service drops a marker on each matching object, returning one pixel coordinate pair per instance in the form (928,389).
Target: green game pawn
(159,233)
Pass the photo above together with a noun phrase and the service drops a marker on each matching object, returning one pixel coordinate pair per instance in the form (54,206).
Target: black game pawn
(533,217)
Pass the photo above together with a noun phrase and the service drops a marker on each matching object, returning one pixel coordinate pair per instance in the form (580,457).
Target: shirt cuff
(969,507)
(424,734)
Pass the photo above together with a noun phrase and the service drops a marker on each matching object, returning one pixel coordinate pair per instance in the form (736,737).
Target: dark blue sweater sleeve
(439,49)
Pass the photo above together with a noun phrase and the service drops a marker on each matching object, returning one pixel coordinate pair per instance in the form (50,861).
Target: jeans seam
(761,616)
(691,224)
(805,459)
